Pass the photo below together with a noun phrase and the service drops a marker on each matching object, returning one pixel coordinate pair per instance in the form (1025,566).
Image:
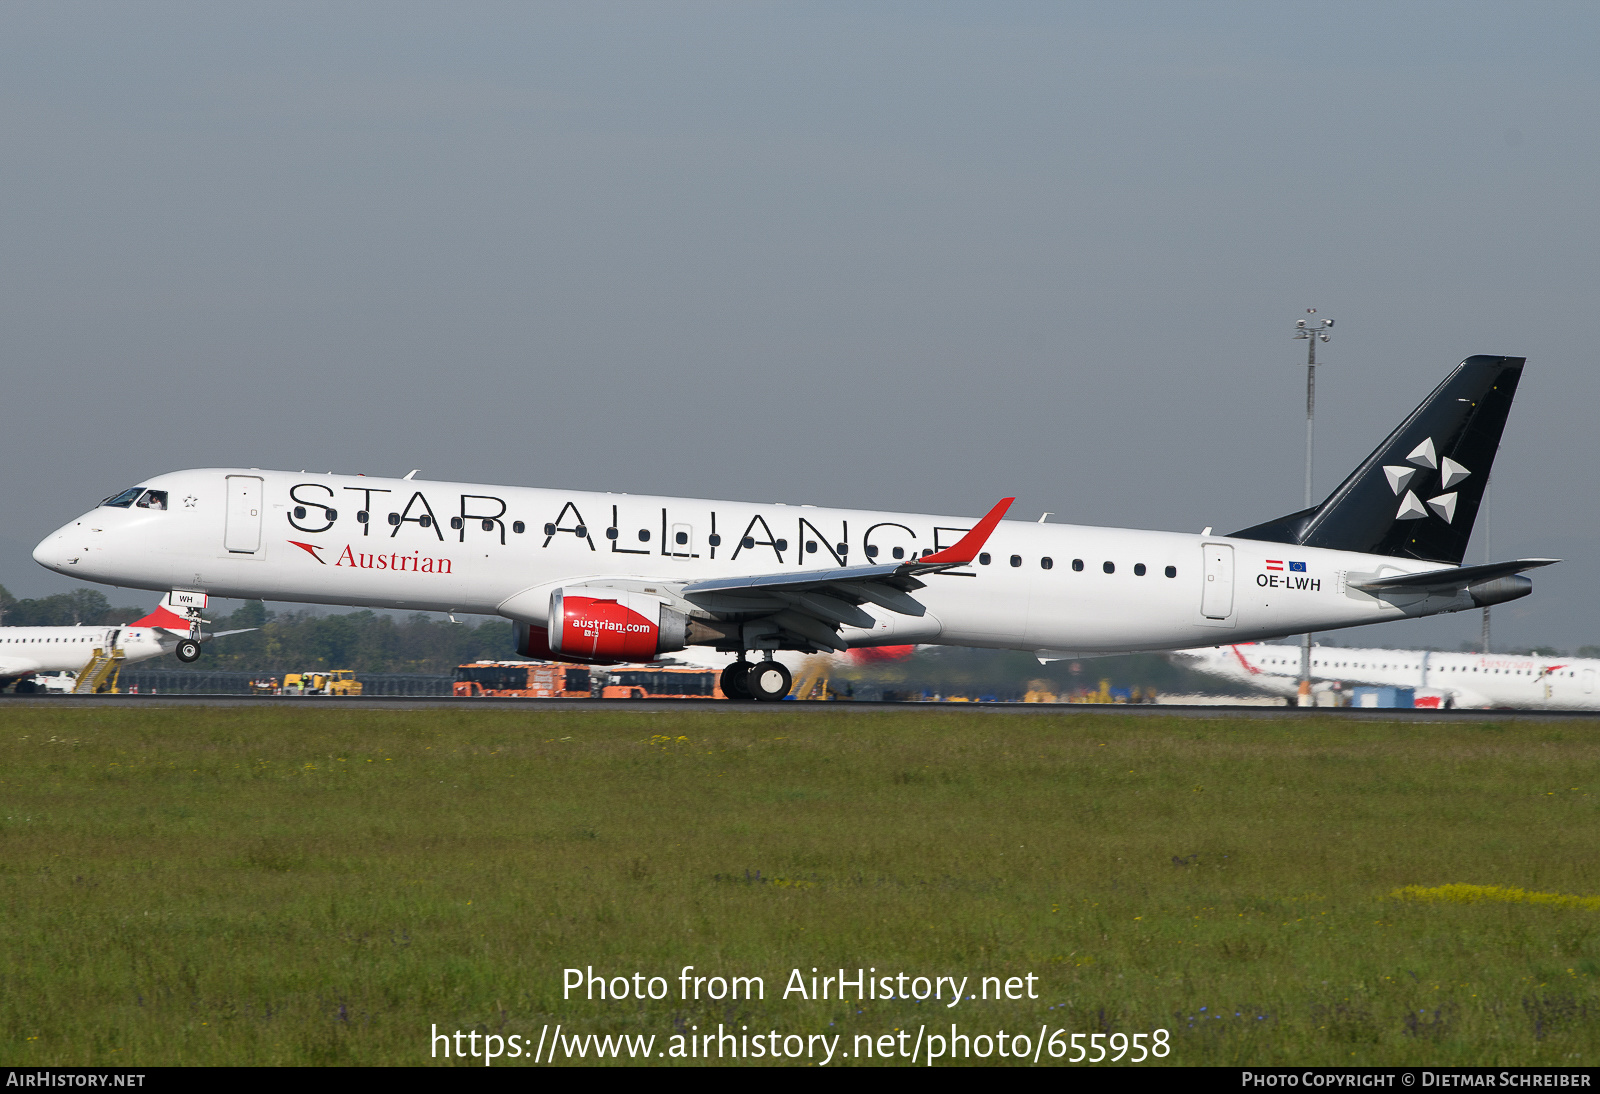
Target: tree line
(292,641)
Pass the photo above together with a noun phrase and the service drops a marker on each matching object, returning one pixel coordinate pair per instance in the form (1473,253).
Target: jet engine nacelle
(604,626)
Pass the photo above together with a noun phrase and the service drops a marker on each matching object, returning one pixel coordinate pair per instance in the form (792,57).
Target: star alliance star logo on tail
(1423,458)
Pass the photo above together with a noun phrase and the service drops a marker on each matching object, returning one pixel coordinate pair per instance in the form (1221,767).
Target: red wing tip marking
(164,619)
(966,549)
(1248,666)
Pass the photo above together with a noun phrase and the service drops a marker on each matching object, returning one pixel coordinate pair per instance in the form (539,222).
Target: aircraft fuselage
(474,548)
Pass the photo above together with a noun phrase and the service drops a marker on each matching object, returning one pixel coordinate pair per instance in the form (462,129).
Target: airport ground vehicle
(522,679)
(545,680)
(607,579)
(321,682)
(654,682)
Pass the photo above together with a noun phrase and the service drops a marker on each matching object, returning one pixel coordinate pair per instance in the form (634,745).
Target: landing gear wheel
(188,651)
(733,680)
(768,681)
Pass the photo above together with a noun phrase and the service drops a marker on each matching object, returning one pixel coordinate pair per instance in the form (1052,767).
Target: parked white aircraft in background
(1469,680)
(26,652)
(605,578)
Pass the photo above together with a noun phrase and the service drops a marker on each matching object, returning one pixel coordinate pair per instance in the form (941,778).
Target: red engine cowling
(602,626)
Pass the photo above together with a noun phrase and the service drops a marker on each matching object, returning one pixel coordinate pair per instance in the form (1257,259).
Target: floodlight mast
(1311,332)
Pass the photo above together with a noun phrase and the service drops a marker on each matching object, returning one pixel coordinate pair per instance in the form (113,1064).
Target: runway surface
(714,706)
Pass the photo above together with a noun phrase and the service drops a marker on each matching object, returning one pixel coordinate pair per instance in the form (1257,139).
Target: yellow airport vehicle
(326,682)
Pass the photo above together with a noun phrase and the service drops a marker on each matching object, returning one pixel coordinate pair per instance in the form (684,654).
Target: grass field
(271,886)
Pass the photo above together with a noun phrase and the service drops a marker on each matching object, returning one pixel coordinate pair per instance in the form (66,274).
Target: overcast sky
(899,256)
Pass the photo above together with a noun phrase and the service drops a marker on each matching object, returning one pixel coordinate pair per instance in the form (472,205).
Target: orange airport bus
(543,680)
(681,682)
(522,679)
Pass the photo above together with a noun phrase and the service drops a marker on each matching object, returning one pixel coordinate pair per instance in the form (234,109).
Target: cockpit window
(124,499)
(153,499)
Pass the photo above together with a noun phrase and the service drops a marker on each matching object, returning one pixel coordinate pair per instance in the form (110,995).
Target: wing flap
(814,604)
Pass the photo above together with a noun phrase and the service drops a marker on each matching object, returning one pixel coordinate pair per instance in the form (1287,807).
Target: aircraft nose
(56,552)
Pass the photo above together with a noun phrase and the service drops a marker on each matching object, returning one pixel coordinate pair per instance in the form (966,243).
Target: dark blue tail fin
(1417,495)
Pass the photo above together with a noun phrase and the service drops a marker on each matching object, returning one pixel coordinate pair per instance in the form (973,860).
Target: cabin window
(394,519)
(872,550)
(782,544)
(362,516)
(1046,562)
(299,512)
(518,527)
(811,545)
(683,537)
(747,542)
(844,549)
(124,499)
(1172,571)
(1138,569)
(611,533)
(983,559)
(1077,564)
(898,552)
(644,535)
(1109,567)
(1016,560)
(714,539)
(456,523)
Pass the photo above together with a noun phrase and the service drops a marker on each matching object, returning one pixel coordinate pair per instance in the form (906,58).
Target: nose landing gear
(188,651)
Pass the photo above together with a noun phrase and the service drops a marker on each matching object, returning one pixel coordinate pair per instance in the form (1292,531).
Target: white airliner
(604,578)
(1466,680)
(26,652)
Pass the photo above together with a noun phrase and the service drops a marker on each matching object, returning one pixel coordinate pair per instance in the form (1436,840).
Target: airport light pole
(1486,559)
(1311,332)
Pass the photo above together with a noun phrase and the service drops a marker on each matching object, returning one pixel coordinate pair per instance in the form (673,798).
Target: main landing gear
(767,681)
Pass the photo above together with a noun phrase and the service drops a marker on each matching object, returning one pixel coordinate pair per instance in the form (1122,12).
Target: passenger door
(243,530)
(1216,597)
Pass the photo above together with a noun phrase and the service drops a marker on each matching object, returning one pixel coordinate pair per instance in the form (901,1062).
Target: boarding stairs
(100,674)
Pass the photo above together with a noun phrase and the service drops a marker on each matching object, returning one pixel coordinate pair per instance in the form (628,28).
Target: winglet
(967,548)
(164,619)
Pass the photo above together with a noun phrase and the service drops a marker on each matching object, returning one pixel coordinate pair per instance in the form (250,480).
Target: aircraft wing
(815,604)
(1457,577)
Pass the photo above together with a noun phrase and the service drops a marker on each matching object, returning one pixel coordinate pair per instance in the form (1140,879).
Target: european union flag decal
(1297,567)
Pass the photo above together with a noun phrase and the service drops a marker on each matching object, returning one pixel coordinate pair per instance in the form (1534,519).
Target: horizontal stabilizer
(1458,577)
